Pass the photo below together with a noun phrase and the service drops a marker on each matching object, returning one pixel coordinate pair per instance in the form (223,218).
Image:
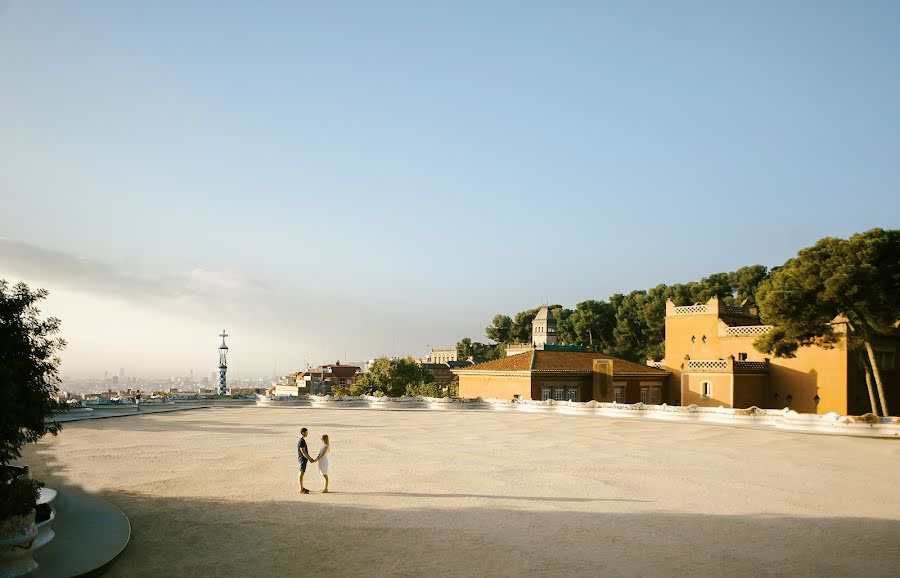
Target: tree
(392,377)
(592,325)
(423,389)
(466,348)
(29,368)
(564,330)
(453,387)
(716,285)
(28,382)
(463,348)
(631,339)
(745,281)
(520,330)
(499,329)
(835,283)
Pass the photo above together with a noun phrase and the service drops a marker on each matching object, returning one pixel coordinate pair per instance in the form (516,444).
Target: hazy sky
(346,179)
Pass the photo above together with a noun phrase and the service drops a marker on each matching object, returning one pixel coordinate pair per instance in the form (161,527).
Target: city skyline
(341,183)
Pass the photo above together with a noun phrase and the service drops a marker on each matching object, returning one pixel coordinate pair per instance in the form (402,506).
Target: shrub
(340,391)
(18,496)
(453,387)
(423,390)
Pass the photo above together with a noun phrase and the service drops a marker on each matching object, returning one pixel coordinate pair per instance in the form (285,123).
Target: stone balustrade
(729,365)
(698,309)
(706,365)
(747,330)
(751,367)
(753,417)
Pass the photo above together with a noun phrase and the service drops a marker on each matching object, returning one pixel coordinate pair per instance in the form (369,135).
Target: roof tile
(575,361)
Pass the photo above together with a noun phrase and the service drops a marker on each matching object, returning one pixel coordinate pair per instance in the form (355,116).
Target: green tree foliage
(745,281)
(500,329)
(424,390)
(632,334)
(520,330)
(466,348)
(28,370)
(592,324)
(632,325)
(453,387)
(856,281)
(392,377)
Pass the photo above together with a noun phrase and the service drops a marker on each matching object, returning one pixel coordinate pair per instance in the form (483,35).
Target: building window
(545,394)
(885,359)
(573,395)
(650,395)
(742,357)
(560,394)
(619,393)
(706,389)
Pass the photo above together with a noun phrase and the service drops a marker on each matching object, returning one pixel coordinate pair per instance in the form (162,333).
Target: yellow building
(542,374)
(712,361)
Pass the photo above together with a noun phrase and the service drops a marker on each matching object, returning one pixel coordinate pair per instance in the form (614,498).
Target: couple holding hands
(305,458)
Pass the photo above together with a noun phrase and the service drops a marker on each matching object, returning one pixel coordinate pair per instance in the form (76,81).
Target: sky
(341,180)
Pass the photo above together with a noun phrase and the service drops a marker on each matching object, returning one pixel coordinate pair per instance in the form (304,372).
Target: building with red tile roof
(542,374)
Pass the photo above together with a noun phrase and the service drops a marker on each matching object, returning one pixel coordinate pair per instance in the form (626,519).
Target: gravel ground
(463,493)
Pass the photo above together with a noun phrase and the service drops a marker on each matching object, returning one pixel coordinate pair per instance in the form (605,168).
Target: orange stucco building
(712,361)
(542,374)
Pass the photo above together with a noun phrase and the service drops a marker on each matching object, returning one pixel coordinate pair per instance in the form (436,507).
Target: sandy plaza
(214,492)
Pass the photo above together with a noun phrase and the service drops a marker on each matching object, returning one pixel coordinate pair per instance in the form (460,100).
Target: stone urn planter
(17,544)
(18,529)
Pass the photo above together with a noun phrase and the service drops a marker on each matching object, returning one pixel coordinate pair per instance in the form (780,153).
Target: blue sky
(376,177)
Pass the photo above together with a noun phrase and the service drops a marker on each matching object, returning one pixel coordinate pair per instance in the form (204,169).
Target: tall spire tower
(223,365)
(543,328)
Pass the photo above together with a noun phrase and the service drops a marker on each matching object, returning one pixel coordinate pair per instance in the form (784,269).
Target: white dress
(323,461)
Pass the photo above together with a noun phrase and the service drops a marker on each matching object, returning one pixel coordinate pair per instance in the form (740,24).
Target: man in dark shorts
(303,456)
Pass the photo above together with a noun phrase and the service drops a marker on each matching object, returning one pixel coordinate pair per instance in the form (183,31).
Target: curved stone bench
(89,532)
(45,529)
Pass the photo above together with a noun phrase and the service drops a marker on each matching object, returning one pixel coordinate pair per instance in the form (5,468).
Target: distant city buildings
(442,356)
(320,380)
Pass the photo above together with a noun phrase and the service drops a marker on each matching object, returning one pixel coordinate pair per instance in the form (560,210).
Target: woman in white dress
(322,460)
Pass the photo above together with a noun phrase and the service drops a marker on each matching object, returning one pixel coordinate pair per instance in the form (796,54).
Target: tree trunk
(876,373)
(868,371)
